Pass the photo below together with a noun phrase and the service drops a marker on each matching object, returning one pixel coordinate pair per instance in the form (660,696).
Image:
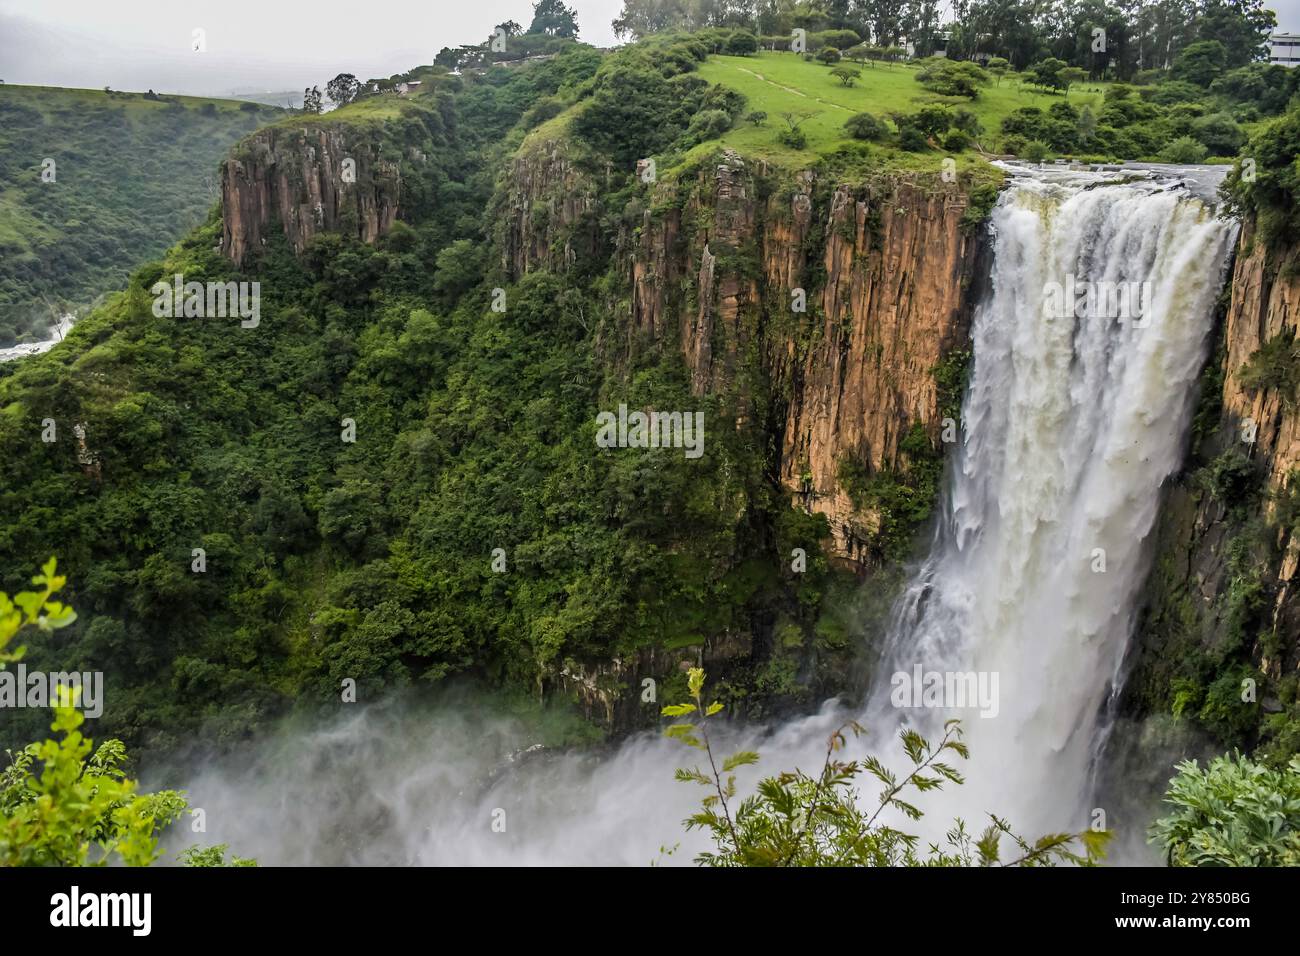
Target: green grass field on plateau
(777,83)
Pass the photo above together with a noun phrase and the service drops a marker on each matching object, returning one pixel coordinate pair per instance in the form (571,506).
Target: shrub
(912,139)
(1274,365)
(1171,92)
(742,43)
(544,109)
(757,118)
(956,141)
(1218,133)
(794,819)
(1183,150)
(866,126)
(829,55)
(1035,151)
(708,124)
(1233,813)
(794,138)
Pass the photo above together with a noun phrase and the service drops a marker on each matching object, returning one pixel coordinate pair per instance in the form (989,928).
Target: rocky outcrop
(304,181)
(545,214)
(894,301)
(1265,305)
(850,295)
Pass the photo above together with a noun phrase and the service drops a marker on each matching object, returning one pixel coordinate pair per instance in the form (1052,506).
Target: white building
(1284,49)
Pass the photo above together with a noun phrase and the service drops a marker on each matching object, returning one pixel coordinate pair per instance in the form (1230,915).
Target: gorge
(1071,428)
(379,576)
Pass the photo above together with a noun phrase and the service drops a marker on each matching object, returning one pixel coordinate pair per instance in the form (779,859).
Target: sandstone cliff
(850,296)
(303,181)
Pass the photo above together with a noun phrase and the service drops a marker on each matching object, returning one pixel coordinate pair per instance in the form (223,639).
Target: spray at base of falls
(1073,420)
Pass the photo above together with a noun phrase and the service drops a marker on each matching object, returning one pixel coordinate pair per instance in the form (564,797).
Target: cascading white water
(1071,426)
(57,331)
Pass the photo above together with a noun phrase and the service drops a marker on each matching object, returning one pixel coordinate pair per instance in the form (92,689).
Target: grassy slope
(790,83)
(133,176)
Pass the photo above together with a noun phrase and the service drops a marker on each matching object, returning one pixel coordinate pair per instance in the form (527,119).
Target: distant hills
(94,182)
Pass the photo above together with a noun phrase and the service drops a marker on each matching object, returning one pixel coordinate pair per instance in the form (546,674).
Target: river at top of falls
(1070,426)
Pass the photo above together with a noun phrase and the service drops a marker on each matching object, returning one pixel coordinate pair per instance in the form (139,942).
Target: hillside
(131,175)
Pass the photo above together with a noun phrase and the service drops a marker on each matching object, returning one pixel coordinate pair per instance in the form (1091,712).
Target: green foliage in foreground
(793,819)
(63,800)
(1234,812)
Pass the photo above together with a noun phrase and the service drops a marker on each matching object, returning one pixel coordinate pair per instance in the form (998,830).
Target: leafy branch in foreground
(62,799)
(33,608)
(1235,812)
(793,819)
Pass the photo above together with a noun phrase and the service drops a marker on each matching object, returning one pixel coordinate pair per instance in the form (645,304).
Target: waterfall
(1072,423)
(1070,426)
(57,332)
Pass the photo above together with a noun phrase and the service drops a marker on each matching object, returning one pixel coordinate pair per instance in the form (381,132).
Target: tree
(553,18)
(952,77)
(1071,75)
(343,89)
(998,67)
(757,117)
(846,75)
(1200,63)
(1047,73)
(1241,26)
(829,55)
(510,28)
(792,136)
(311,100)
(795,819)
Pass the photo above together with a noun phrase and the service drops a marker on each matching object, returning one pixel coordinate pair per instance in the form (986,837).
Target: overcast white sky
(264,44)
(251,44)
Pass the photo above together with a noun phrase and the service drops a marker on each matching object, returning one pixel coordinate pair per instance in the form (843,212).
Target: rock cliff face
(848,295)
(1265,304)
(304,181)
(545,216)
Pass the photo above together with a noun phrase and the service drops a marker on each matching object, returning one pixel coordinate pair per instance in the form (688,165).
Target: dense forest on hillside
(92,183)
